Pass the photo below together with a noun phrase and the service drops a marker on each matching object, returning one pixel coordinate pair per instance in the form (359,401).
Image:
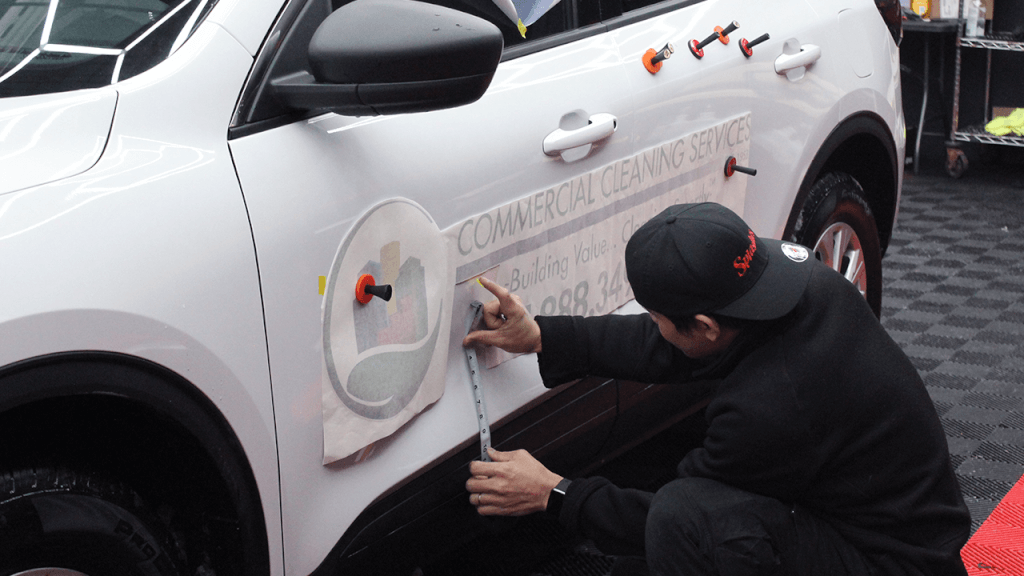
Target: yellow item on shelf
(1004,125)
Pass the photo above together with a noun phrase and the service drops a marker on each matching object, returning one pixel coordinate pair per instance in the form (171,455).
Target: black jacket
(820,408)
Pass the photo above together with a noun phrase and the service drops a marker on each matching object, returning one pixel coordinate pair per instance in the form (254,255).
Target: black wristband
(557,496)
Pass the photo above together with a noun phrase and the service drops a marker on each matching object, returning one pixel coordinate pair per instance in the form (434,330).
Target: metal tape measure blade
(478,390)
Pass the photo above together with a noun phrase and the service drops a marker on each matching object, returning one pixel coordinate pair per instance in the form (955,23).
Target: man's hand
(509,326)
(514,484)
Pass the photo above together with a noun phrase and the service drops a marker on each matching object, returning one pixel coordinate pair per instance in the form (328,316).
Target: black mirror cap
(386,41)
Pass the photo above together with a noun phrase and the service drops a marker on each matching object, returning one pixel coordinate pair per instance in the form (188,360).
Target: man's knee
(678,507)
(713,528)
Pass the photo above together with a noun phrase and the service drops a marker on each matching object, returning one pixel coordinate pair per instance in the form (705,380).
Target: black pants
(701,527)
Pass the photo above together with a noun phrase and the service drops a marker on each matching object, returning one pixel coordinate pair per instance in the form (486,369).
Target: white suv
(191,190)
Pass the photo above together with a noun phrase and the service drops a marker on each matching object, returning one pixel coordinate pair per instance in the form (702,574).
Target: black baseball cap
(703,258)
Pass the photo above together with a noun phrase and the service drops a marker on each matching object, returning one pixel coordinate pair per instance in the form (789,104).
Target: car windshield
(59,45)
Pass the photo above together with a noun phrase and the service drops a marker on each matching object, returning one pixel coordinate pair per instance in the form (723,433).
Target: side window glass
(630,5)
(617,7)
(63,45)
(558,18)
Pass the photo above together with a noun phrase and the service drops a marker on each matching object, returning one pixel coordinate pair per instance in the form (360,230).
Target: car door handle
(598,128)
(792,61)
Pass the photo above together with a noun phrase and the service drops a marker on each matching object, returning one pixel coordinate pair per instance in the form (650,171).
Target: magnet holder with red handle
(652,60)
(731,168)
(722,34)
(747,47)
(366,289)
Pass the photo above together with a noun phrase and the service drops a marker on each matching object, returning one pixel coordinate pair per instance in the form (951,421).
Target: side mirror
(374,57)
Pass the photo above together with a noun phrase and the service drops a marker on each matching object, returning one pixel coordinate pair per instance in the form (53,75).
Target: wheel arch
(863,147)
(146,424)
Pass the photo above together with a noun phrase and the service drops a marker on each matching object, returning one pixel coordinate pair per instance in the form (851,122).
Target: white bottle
(971,17)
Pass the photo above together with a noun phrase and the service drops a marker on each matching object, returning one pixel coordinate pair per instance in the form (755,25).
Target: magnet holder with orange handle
(697,48)
(652,59)
(723,33)
(731,168)
(366,289)
(747,47)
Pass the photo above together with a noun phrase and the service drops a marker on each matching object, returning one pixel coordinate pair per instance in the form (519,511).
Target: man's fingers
(482,470)
(498,456)
(494,288)
(484,337)
(500,292)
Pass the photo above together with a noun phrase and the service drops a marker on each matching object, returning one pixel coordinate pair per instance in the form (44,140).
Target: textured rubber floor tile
(951,375)
(979,415)
(991,401)
(937,341)
(1001,452)
(991,470)
(951,331)
(983,488)
(964,429)
(997,547)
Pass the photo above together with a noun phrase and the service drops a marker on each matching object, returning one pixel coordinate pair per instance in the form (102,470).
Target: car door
(726,102)
(700,107)
(312,184)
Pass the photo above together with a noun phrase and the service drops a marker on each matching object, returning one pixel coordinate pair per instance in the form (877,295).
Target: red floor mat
(998,545)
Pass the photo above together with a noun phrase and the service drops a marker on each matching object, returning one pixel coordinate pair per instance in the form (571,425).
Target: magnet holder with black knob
(652,59)
(722,34)
(731,168)
(747,47)
(366,289)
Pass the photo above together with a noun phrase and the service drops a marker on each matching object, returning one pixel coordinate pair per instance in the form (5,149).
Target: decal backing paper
(384,362)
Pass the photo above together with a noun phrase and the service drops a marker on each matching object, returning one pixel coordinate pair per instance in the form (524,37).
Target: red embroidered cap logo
(742,263)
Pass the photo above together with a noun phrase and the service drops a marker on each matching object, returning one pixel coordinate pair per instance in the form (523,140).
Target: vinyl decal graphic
(562,249)
(384,361)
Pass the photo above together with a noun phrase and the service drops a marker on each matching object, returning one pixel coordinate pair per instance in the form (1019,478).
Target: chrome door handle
(795,59)
(600,127)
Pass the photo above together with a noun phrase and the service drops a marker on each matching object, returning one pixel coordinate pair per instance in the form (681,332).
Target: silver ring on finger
(478,498)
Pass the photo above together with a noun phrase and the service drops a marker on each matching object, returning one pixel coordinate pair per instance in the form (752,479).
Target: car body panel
(306,183)
(150,252)
(247,21)
(790,119)
(54,136)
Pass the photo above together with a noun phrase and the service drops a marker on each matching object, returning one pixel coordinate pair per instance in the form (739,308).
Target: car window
(630,5)
(61,45)
(559,18)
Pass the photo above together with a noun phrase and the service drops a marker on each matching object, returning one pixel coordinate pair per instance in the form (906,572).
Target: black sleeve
(611,346)
(614,518)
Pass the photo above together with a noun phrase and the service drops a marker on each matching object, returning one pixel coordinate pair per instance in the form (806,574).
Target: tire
(836,223)
(82,524)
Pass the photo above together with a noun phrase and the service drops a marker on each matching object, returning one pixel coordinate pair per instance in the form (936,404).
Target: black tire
(836,223)
(54,518)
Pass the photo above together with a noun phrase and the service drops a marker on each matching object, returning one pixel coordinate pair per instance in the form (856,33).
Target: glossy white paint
(248,21)
(306,183)
(149,253)
(52,136)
